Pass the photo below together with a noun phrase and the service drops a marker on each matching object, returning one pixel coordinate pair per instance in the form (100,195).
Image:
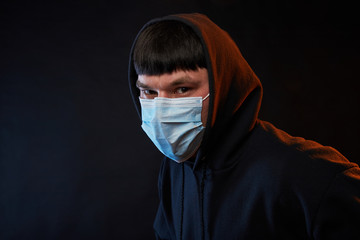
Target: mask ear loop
(206,97)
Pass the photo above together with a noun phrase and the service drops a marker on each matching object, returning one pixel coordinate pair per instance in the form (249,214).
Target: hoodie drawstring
(182,201)
(202,187)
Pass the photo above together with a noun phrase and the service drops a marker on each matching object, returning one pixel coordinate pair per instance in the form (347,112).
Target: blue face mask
(174,125)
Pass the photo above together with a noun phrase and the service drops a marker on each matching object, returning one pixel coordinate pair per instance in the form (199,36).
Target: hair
(167,46)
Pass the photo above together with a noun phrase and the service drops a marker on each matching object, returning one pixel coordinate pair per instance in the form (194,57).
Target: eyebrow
(183,80)
(141,85)
(176,82)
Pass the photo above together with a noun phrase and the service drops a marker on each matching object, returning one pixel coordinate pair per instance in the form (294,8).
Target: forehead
(198,77)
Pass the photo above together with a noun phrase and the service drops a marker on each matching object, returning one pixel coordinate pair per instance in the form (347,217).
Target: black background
(74,161)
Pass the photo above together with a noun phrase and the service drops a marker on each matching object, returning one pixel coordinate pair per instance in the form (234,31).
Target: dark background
(74,162)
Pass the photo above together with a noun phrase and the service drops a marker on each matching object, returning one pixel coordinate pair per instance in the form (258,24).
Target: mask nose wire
(202,99)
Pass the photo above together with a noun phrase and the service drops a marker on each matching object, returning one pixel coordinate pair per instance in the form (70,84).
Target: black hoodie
(251,180)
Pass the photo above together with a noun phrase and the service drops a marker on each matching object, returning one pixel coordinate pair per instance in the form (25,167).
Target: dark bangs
(167,46)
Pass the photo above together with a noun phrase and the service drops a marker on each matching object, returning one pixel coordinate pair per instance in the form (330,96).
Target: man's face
(175,85)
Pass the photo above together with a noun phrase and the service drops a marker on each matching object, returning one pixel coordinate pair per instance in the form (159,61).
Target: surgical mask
(174,125)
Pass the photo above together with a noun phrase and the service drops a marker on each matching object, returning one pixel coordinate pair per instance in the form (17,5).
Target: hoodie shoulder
(293,163)
(338,216)
(300,147)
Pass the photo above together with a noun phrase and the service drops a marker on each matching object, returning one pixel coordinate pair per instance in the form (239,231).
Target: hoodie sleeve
(338,216)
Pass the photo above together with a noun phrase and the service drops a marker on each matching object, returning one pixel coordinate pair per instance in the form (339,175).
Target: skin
(177,85)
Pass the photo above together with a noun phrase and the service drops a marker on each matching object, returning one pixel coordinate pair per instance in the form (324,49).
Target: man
(227,174)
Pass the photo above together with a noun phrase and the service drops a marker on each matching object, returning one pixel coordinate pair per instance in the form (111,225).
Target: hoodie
(250,180)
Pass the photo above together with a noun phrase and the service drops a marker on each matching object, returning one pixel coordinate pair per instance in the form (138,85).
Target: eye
(182,90)
(148,92)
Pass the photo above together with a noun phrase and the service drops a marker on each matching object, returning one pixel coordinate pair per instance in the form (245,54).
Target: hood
(235,92)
